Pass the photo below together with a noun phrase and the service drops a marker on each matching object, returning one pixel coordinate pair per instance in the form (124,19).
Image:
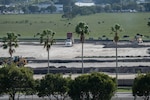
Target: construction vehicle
(70,40)
(19,61)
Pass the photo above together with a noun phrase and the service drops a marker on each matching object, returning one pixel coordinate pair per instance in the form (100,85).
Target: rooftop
(84,4)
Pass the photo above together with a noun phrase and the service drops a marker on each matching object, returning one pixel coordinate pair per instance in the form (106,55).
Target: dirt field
(61,52)
(91,50)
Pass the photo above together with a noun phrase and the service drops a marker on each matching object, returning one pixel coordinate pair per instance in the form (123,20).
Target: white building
(59,7)
(81,4)
(140,1)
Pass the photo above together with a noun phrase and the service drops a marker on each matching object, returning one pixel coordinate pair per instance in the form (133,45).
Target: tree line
(17,81)
(66,1)
(71,10)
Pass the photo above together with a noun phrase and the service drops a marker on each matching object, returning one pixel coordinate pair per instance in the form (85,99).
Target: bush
(96,86)
(141,86)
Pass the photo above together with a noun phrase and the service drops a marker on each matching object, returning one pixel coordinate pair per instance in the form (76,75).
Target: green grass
(99,24)
(124,89)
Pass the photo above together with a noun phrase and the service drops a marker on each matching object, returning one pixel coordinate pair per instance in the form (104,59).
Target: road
(118,96)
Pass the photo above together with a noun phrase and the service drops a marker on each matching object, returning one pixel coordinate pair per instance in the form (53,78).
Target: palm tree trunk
(10,49)
(82,59)
(116,64)
(10,52)
(12,96)
(48,63)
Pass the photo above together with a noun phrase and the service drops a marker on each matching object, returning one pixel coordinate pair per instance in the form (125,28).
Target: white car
(68,43)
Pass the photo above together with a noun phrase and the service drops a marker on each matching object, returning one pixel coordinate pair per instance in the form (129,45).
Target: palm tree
(10,42)
(116,29)
(46,37)
(82,29)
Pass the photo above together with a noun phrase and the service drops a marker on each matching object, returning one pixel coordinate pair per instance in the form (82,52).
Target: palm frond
(46,37)
(117,27)
(48,46)
(5,46)
(81,29)
(37,34)
(15,45)
(45,44)
(11,51)
(4,39)
(41,40)
(112,29)
(10,41)
(148,23)
(53,41)
(19,35)
(115,30)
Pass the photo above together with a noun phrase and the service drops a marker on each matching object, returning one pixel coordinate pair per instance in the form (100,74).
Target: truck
(70,40)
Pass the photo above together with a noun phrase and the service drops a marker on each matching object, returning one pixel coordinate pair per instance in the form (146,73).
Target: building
(81,4)
(140,1)
(59,7)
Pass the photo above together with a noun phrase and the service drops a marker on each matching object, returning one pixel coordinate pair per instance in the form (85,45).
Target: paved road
(125,96)
(89,64)
(118,96)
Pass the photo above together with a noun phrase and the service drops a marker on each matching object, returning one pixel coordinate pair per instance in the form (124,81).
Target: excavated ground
(99,56)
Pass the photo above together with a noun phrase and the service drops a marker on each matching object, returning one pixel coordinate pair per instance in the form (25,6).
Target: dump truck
(70,40)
